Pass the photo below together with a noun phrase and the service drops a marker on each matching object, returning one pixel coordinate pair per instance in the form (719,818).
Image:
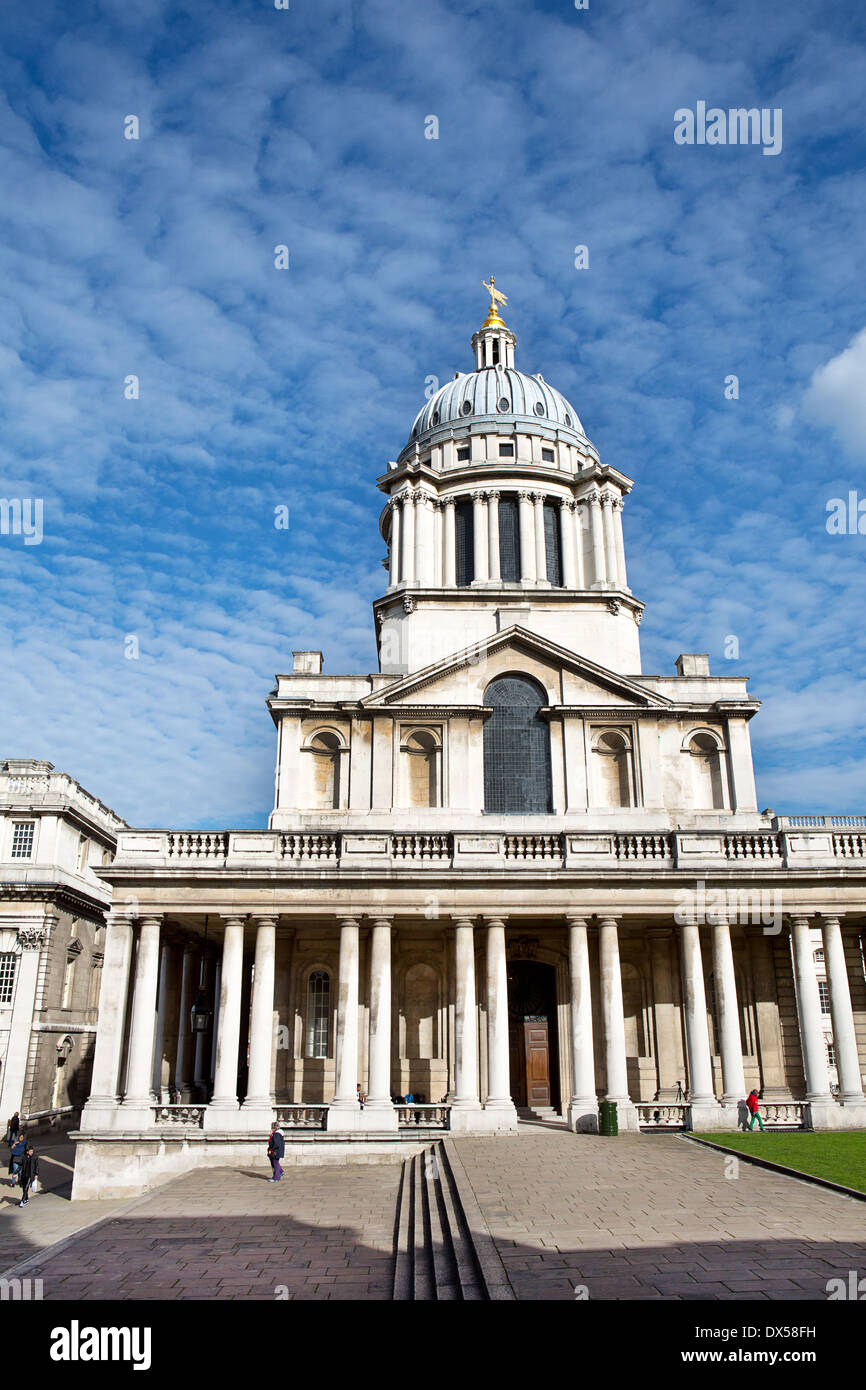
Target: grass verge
(835,1157)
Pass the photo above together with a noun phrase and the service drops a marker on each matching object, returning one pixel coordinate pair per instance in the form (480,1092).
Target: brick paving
(655,1217)
(321,1233)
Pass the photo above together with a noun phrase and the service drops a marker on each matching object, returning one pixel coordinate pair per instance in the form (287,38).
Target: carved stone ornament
(409,604)
(638,614)
(523,947)
(614,605)
(31,938)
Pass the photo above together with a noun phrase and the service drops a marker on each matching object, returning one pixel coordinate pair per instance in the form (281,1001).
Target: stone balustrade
(190,1115)
(428,1116)
(300,1116)
(655,1115)
(783,1114)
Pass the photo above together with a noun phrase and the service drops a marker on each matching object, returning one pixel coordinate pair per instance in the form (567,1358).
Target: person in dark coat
(29,1171)
(276,1149)
(16,1158)
(13,1129)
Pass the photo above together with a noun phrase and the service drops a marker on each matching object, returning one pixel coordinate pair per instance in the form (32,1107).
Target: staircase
(539,1113)
(435,1257)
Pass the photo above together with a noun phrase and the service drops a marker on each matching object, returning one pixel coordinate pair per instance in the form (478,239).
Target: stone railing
(783,1114)
(643,847)
(819,822)
(430,1116)
(190,1115)
(300,1116)
(314,849)
(197,844)
(533,846)
(414,848)
(763,845)
(660,1115)
(850,846)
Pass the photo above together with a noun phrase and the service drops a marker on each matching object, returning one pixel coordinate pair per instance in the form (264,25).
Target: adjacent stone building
(52,937)
(506,870)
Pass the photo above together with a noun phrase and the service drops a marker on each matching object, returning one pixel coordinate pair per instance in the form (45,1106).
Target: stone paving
(321,1233)
(654,1216)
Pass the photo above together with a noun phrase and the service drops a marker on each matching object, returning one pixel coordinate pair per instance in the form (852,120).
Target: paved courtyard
(634,1217)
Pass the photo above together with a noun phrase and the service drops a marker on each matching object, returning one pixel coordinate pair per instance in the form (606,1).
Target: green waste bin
(607,1120)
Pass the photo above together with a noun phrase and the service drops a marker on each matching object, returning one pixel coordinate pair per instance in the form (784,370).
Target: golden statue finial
(496,298)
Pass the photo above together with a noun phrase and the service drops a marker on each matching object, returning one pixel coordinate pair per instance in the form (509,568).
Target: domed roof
(496,392)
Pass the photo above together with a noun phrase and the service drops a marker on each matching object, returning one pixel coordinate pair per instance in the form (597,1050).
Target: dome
(494,393)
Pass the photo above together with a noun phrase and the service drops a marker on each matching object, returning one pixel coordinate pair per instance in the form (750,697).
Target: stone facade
(52,937)
(507,870)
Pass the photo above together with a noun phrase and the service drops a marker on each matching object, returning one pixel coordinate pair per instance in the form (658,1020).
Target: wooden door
(537,1052)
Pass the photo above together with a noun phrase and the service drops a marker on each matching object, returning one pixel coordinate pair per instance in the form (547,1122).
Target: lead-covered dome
(494,392)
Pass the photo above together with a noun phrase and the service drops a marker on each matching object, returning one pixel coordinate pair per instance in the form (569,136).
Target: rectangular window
(552,543)
(465,528)
(68,983)
(547,456)
(7,976)
(83,852)
(463,455)
(824,995)
(831,1053)
(22,838)
(509,540)
(506,451)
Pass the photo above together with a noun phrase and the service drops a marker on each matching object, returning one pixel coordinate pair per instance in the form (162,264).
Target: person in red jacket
(752,1103)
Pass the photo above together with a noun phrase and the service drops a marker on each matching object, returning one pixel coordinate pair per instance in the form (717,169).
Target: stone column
(438,556)
(527,538)
(727,1005)
(540,547)
(450,528)
(201,1073)
(379,1109)
(183,1057)
(423,539)
(609,538)
(811,1027)
(100,1110)
(620,544)
(704,1106)
(407,563)
(614,1022)
(579,511)
(493,535)
(583,1105)
(566,531)
(31,940)
(217,991)
(257,1105)
(499,1104)
(466,1108)
(136,1103)
(479,527)
(394,550)
(844,1035)
(344,1111)
(160,1091)
(223,1111)
(599,572)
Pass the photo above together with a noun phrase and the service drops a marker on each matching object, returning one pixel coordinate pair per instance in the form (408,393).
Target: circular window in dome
(504,404)
(568,421)
(466,408)
(435,417)
(539,408)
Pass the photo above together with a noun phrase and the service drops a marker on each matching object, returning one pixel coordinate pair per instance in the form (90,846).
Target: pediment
(570,679)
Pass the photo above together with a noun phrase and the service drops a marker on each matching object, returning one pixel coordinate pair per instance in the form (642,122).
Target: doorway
(532,1034)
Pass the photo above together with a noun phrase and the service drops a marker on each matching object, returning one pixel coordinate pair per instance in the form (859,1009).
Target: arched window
(613,776)
(421,751)
(325,749)
(707,781)
(318,1014)
(517,777)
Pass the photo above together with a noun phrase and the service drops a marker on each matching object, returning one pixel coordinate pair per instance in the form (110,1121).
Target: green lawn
(837,1157)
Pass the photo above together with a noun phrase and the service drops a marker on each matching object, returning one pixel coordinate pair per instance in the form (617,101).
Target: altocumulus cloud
(260,388)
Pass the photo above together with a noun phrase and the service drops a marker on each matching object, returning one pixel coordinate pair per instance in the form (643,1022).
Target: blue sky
(261,388)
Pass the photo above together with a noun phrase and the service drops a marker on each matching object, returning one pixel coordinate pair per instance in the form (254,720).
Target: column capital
(832,917)
(577,919)
(460,921)
(449,501)
(607,920)
(568,504)
(348,922)
(151,919)
(493,495)
(605,499)
(801,919)
(525,495)
(479,495)
(380,919)
(238,918)
(616,503)
(539,496)
(495,921)
(266,920)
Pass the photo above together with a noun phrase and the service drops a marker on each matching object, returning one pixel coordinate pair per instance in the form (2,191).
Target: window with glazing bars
(7,977)
(318,1013)
(824,996)
(552,546)
(22,839)
(465,550)
(509,539)
(517,777)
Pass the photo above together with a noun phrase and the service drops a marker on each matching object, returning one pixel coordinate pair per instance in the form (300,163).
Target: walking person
(29,1174)
(13,1129)
(16,1158)
(276,1149)
(752,1103)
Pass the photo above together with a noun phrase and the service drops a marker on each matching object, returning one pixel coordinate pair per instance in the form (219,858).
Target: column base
(224,1116)
(347,1117)
(382,1115)
(706,1114)
(830,1115)
(626,1115)
(258,1113)
(134,1114)
(500,1115)
(466,1117)
(583,1115)
(99,1115)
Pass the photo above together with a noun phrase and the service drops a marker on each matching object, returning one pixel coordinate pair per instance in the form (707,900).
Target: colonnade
(147,1022)
(423,544)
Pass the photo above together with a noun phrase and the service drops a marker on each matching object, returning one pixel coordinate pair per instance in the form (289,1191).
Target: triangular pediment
(581,681)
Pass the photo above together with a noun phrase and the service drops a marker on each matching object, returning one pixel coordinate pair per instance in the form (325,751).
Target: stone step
(434,1255)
